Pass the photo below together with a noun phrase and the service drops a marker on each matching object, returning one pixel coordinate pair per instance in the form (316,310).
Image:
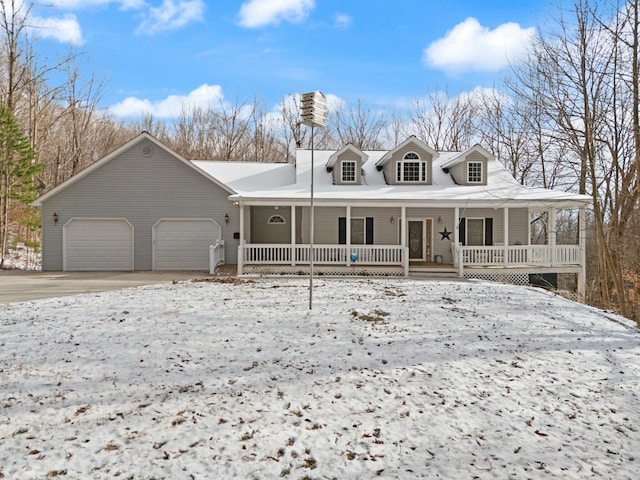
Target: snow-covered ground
(382,379)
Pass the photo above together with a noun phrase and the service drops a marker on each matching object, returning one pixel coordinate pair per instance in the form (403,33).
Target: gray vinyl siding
(390,167)
(459,171)
(518,223)
(264,232)
(337,169)
(143,190)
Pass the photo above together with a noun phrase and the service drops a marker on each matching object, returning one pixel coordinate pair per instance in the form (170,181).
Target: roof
(501,189)
(249,176)
(259,183)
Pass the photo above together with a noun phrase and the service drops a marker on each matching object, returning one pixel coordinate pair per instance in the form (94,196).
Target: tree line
(567,116)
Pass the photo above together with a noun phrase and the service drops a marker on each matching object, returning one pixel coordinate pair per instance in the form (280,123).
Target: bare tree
(580,78)
(444,122)
(359,125)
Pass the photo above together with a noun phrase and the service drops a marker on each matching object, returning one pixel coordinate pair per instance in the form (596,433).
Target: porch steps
(427,272)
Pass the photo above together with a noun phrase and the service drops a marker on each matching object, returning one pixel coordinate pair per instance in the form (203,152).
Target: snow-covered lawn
(382,379)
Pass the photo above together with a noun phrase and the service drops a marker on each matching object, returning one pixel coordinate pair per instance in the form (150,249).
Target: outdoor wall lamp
(55,218)
(226,218)
(392,220)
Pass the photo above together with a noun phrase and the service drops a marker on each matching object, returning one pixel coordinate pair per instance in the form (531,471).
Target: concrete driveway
(22,286)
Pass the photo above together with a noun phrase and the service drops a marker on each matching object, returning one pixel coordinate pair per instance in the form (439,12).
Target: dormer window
(411,169)
(474,172)
(348,171)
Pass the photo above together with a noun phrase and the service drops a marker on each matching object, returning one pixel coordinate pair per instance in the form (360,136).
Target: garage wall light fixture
(226,218)
(55,218)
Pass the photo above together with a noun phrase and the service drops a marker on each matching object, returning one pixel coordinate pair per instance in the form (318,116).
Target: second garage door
(183,244)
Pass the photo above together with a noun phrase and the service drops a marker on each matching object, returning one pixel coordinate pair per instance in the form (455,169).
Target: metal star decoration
(445,234)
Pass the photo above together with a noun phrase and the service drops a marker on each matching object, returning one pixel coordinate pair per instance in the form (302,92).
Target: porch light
(226,218)
(55,218)
(392,220)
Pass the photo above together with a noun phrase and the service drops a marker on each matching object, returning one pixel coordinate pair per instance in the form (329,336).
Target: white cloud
(258,13)
(77,4)
(343,20)
(171,15)
(204,96)
(65,29)
(470,46)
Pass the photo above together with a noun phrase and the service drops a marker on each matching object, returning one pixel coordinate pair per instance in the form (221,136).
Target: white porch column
(582,242)
(456,240)
(403,226)
(241,246)
(552,234)
(403,240)
(505,236)
(293,235)
(348,228)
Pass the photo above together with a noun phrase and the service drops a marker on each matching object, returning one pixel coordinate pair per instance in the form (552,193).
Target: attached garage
(93,244)
(183,244)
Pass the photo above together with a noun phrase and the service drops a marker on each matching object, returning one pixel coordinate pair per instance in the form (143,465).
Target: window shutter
(488,231)
(463,231)
(369,231)
(342,230)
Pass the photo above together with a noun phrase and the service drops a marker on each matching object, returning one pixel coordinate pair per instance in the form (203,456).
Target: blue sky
(159,54)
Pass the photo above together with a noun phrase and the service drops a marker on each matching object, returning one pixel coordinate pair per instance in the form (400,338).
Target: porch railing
(278,254)
(539,255)
(216,255)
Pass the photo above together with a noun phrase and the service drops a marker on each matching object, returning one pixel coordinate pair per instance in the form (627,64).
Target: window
(348,173)
(411,169)
(474,172)
(361,231)
(276,219)
(475,231)
(357,231)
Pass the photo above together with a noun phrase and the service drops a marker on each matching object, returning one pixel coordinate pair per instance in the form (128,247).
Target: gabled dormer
(469,167)
(346,164)
(410,163)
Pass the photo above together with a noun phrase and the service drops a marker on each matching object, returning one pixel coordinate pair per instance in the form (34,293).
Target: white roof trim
(412,139)
(348,147)
(137,139)
(462,155)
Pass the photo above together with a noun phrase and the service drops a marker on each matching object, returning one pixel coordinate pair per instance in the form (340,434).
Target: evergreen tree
(18,171)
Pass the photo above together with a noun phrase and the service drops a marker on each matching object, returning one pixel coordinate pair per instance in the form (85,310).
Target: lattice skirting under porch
(337,270)
(566,286)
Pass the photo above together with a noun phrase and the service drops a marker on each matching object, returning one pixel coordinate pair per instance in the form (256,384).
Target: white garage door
(95,244)
(183,244)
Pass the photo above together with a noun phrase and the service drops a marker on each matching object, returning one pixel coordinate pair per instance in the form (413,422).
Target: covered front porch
(403,241)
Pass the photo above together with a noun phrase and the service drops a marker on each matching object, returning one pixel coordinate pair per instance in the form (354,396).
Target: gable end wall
(337,168)
(390,167)
(143,190)
(459,171)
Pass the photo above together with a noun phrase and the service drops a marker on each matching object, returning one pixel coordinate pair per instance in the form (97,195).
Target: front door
(415,236)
